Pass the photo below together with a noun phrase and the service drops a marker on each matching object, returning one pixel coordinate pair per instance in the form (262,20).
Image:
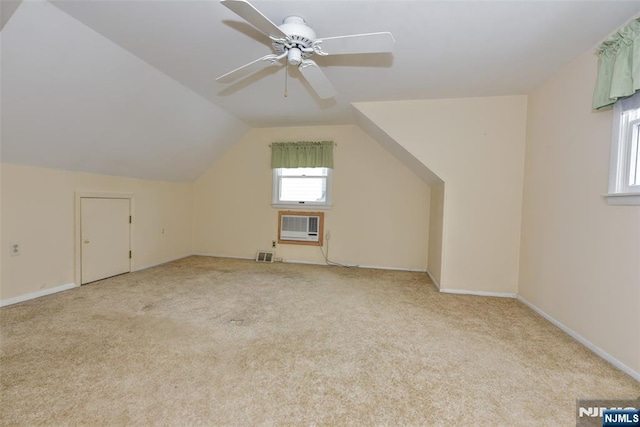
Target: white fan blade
(246,11)
(317,79)
(249,68)
(357,43)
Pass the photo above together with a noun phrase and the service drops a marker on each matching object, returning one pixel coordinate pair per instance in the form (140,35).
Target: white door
(104,228)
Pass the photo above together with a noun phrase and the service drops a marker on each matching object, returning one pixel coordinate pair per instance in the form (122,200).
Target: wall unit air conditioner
(301,227)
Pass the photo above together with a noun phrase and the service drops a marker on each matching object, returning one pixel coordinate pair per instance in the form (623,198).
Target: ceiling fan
(295,42)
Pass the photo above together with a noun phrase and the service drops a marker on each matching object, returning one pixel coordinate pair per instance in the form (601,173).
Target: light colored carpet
(206,341)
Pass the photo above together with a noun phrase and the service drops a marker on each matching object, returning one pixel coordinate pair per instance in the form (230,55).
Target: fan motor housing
(301,35)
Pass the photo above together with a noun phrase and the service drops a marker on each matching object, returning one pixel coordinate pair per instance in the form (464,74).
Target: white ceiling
(444,48)
(128,87)
(73,100)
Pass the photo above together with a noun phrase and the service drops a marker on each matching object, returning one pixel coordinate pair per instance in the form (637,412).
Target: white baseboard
(223,256)
(382,267)
(479,293)
(582,340)
(295,261)
(144,267)
(38,294)
(433,280)
(375,267)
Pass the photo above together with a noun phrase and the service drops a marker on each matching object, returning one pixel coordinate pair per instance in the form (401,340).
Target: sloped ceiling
(7,8)
(73,100)
(128,87)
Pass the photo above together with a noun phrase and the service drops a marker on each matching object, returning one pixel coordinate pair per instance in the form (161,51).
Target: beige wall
(476,146)
(436,227)
(380,215)
(580,258)
(4,246)
(38,211)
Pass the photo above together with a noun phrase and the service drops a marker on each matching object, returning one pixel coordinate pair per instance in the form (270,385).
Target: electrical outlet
(327,235)
(15,249)
(162,231)
(273,243)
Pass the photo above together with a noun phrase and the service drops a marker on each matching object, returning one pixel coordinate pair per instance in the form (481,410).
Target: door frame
(79,195)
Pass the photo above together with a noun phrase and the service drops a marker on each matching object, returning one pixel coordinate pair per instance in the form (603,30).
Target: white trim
(433,279)
(223,256)
(479,293)
(38,294)
(623,199)
(294,261)
(302,206)
(98,195)
(340,264)
(582,340)
(144,267)
(382,267)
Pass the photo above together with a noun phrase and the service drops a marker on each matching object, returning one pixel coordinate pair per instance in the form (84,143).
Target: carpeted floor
(207,341)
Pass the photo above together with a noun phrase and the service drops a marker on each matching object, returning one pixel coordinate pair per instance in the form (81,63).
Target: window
(302,173)
(634,163)
(624,175)
(302,187)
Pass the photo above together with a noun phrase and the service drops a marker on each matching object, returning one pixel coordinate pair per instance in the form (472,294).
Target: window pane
(634,170)
(303,171)
(297,189)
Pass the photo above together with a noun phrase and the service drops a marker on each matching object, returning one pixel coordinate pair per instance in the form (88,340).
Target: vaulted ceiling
(128,87)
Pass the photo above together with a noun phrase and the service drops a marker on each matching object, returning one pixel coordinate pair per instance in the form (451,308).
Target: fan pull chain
(286,78)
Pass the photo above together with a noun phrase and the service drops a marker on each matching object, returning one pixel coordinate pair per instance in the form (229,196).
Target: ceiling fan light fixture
(294,56)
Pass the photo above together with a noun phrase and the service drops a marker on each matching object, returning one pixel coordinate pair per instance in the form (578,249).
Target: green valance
(302,154)
(618,66)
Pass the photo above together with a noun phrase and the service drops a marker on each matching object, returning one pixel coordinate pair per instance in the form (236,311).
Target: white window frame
(624,131)
(277,203)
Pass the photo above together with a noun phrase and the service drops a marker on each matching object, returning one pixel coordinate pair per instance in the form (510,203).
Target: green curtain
(303,154)
(618,66)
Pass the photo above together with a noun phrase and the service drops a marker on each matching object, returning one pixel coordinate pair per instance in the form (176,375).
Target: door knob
(86,241)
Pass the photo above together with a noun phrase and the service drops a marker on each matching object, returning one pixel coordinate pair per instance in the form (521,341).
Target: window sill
(623,199)
(302,206)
